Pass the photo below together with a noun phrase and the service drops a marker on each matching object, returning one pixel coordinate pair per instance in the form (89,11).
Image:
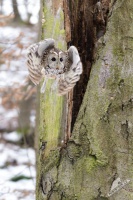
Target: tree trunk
(1,7)
(17,17)
(96,163)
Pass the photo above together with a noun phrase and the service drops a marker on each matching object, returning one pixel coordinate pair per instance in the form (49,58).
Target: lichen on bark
(51,105)
(106,112)
(100,148)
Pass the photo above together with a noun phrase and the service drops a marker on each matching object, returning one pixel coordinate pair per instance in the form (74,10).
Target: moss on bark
(51,105)
(100,149)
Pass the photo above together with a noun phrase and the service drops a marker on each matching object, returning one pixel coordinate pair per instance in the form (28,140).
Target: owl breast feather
(53,73)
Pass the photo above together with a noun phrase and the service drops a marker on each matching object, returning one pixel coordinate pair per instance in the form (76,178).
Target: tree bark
(52,107)
(99,152)
(1,7)
(17,17)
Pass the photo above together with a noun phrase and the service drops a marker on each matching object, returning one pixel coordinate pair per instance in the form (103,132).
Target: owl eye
(53,59)
(61,59)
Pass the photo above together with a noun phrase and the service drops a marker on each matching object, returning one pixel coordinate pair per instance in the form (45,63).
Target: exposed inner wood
(87,22)
(82,31)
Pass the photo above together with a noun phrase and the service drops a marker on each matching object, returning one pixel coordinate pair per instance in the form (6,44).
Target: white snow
(14,160)
(24,159)
(18,69)
(8,118)
(12,136)
(33,118)
(14,73)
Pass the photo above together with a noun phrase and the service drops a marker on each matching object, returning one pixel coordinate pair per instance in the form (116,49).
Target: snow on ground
(12,137)
(13,70)
(16,162)
(15,41)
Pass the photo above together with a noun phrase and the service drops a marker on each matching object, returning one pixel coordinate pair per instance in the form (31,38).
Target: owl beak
(57,67)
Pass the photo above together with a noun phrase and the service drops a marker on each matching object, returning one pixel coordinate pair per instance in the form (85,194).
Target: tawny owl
(44,60)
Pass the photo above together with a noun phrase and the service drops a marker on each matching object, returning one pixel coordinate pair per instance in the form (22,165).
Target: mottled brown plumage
(44,60)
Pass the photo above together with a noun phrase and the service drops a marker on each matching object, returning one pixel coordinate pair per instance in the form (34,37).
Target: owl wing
(35,54)
(69,78)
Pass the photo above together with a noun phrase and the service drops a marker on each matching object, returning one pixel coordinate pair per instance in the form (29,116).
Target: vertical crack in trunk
(83,37)
(87,21)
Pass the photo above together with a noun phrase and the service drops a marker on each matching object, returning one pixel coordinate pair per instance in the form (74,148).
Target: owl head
(56,60)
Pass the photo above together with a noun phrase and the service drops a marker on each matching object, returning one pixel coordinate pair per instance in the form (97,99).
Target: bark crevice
(86,167)
(87,23)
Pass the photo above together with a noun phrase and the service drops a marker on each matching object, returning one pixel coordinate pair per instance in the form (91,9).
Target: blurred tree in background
(17,17)
(18,95)
(18,30)
(1,4)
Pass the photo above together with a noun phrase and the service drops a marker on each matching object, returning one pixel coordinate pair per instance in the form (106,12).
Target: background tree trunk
(100,149)
(15,10)
(1,7)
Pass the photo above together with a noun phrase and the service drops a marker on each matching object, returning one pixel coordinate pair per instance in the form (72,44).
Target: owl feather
(43,59)
(35,56)
(73,74)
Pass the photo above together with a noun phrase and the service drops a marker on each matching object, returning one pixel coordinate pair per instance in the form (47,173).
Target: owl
(45,60)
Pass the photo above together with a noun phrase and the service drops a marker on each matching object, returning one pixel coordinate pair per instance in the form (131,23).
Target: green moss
(50,161)
(100,198)
(51,104)
(98,126)
(89,163)
(51,113)
(85,166)
(54,25)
